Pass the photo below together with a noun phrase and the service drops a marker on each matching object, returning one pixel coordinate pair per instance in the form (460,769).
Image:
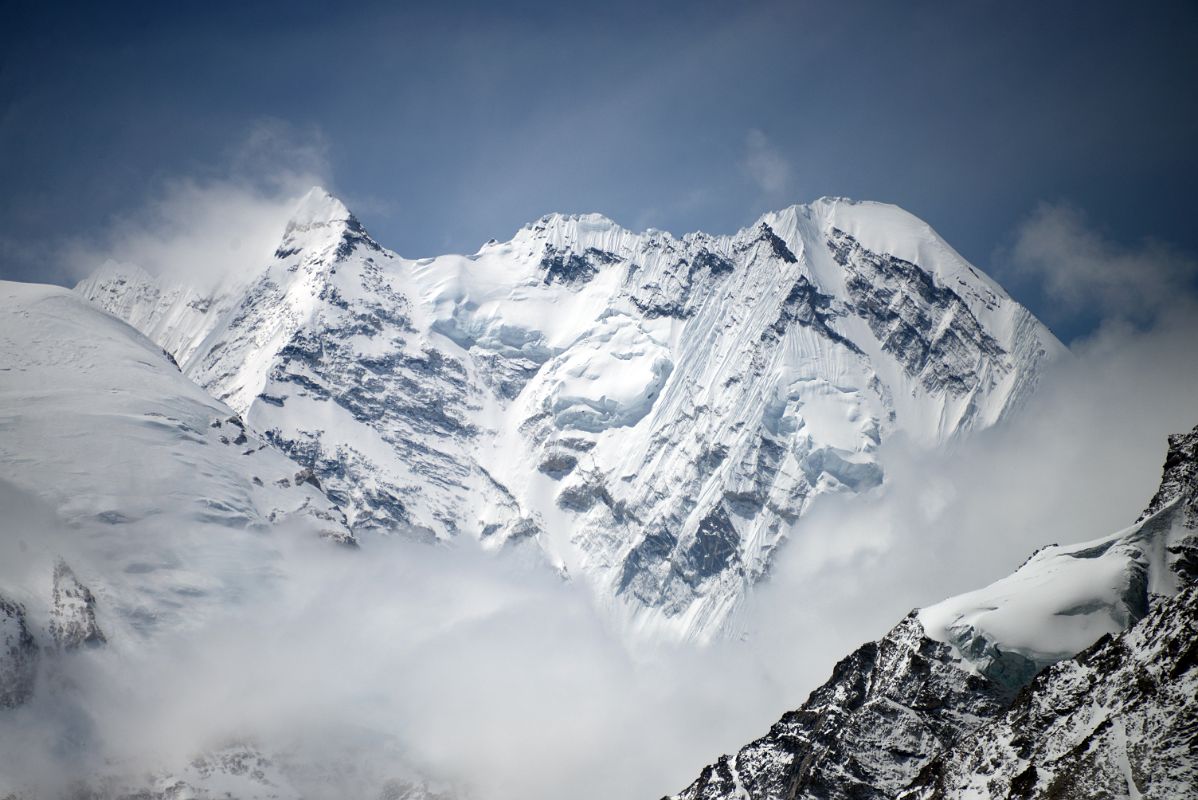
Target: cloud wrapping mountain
(656,413)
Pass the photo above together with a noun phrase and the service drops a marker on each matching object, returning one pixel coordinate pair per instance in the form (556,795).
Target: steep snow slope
(658,413)
(941,707)
(1062,599)
(162,497)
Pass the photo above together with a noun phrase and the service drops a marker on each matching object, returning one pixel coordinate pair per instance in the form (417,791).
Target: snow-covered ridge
(1063,598)
(160,490)
(656,413)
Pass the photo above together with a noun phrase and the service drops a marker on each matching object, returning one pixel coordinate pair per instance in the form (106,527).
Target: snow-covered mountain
(657,413)
(137,511)
(981,696)
(157,497)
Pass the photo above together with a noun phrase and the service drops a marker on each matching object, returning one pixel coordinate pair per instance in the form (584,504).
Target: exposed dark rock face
(573,269)
(18,655)
(644,564)
(1120,719)
(682,287)
(807,306)
(413,399)
(714,548)
(351,235)
(766,235)
(1179,478)
(73,613)
(558,463)
(887,709)
(907,311)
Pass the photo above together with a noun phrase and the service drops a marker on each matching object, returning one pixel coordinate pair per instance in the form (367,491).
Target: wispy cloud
(226,221)
(280,155)
(766,166)
(1084,272)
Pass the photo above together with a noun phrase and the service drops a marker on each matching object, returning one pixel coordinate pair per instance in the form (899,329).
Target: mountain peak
(556,227)
(321,219)
(317,207)
(577,232)
(586,352)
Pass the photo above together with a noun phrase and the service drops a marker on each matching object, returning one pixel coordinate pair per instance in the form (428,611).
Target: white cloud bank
(492,676)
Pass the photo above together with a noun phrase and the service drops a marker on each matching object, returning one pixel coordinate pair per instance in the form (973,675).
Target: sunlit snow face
(608,379)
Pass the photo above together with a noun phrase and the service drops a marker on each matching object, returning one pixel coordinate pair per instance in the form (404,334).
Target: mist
(207,226)
(1080,461)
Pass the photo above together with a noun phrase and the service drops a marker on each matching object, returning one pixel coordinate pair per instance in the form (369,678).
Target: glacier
(654,414)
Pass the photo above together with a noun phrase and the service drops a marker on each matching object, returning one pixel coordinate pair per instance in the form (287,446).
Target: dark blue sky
(445,124)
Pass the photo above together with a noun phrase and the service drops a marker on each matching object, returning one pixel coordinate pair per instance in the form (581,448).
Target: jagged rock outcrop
(1121,718)
(73,612)
(1179,478)
(886,710)
(1004,692)
(18,655)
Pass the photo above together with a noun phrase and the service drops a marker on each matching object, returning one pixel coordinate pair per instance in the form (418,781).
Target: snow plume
(1086,273)
(223,221)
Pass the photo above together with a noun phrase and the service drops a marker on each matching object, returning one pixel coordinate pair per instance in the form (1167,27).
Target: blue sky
(443,125)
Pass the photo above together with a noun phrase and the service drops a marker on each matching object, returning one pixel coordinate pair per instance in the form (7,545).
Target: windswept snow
(1064,597)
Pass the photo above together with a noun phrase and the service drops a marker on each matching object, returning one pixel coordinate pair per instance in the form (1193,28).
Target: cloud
(484,673)
(277,155)
(765,165)
(226,221)
(1083,272)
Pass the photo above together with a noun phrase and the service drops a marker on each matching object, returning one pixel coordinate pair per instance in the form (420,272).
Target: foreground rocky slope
(1119,720)
(953,702)
(655,412)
